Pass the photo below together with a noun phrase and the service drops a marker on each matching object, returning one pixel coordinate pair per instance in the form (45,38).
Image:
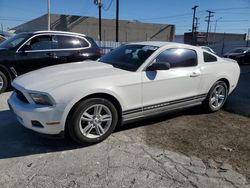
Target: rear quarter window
(68,42)
(209,57)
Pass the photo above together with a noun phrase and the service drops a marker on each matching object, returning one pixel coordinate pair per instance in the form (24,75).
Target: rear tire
(3,82)
(216,97)
(92,121)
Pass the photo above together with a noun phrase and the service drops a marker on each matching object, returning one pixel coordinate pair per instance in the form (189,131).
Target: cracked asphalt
(183,149)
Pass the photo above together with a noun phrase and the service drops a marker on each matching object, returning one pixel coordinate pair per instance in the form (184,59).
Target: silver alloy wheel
(95,121)
(1,83)
(218,97)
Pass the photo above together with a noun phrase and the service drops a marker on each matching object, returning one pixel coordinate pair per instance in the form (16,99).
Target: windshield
(238,50)
(14,41)
(128,57)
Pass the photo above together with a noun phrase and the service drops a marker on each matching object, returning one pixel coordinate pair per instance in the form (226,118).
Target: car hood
(55,76)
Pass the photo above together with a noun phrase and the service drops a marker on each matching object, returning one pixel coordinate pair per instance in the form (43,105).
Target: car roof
(56,32)
(161,44)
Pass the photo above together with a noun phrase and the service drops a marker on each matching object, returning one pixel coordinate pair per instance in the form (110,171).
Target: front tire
(3,82)
(92,121)
(216,97)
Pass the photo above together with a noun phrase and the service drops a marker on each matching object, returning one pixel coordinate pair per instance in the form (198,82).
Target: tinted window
(128,57)
(209,58)
(93,43)
(178,57)
(43,42)
(64,42)
(14,41)
(83,42)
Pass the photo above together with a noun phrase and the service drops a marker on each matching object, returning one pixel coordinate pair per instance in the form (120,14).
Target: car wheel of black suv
(92,121)
(3,82)
(216,97)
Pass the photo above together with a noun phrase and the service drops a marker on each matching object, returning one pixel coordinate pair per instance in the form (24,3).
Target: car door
(163,89)
(35,54)
(69,49)
(247,58)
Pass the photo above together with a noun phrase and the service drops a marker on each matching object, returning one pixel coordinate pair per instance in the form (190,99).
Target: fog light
(37,124)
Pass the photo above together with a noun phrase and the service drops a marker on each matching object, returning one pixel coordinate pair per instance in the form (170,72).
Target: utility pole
(99,5)
(48,15)
(2,28)
(248,35)
(196,24)
(210,14)
(193,25)
(215,27)
(100,19)
(117,21)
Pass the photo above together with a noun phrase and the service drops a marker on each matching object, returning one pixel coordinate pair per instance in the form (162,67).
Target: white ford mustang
(89,99)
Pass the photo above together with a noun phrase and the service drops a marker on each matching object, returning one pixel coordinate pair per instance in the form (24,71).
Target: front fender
(74,101)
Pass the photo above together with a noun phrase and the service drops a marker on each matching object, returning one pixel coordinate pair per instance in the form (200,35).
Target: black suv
(29,51)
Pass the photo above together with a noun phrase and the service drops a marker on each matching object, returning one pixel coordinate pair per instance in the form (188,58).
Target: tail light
(98,52)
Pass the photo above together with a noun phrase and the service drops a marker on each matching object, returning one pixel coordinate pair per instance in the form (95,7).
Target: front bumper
(32,115)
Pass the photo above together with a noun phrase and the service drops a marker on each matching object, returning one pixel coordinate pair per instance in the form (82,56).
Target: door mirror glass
(159,66)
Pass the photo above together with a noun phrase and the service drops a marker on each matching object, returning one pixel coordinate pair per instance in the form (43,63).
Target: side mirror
(25,48)
(158,66)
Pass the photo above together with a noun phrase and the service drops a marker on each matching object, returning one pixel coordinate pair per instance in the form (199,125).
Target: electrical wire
(174,16)
(109,6)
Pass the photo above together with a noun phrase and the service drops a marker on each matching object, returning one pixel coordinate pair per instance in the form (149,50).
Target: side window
(83,42)
(178,57)
(209,58)
(65,42)
(43,42)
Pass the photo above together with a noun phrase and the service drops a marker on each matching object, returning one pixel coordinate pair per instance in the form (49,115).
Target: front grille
(21,96)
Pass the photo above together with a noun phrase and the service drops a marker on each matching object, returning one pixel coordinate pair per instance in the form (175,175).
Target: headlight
(41,99)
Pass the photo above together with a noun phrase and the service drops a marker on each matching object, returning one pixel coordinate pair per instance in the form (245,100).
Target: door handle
(53,55)
(194,74)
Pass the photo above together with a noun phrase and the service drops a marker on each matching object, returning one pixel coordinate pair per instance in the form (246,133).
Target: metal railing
(107,46)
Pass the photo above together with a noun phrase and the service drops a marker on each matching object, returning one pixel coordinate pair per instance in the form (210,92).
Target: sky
(233,16)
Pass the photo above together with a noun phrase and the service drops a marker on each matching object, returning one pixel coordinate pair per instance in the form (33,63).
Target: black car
(29,51)
(241,55)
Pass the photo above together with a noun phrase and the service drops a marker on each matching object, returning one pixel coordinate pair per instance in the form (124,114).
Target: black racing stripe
(160,105)
(173,102)
(135,110)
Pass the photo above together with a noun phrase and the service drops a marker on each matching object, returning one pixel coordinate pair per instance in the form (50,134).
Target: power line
(108,7)
(173,16)
(233,8)
(15,20)
(234,20)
